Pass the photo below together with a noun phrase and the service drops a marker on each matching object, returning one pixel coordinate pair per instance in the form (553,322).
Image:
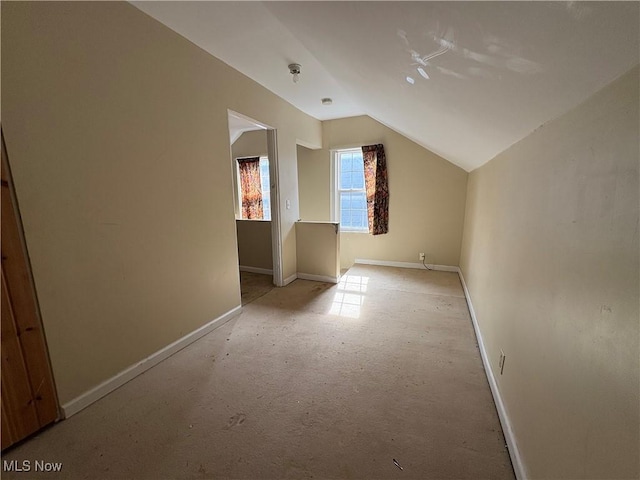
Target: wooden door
(29,399)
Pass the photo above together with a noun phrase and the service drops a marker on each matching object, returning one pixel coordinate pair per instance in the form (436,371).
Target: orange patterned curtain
(250,188)
(377,187)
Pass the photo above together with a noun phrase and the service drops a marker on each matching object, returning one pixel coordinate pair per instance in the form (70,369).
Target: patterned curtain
(250,188)
(377,187)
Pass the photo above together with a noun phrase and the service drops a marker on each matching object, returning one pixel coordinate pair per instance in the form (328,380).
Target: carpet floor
(312,380)
(254,285)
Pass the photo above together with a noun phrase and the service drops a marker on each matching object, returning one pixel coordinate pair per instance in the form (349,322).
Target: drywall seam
(290,279)
(318,278)
(83,401)
(512,444)
(385,263)
(265,271)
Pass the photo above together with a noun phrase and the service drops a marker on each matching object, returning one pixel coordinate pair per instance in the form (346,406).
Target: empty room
(333,239)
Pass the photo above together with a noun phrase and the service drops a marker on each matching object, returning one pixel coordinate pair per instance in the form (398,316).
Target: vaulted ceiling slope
(464,79)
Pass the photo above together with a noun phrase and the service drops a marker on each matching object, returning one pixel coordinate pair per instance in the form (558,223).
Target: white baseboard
(79,403)
(318,278)
(290,279)
(514,452)
(385,263)
(264,271)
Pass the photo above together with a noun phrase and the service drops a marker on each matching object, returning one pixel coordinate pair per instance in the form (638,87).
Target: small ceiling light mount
(326,101)
(294,69)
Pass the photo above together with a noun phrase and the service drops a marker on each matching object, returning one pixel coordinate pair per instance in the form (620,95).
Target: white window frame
(262,158)
(335,191)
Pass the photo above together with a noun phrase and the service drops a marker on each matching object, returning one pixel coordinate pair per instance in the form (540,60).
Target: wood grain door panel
(29,400)
(17,398)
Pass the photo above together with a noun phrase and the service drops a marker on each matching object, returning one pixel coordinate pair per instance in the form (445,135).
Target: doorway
(258,238)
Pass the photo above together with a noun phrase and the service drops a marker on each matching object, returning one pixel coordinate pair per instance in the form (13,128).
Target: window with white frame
(349,195)
(266,190)
(265,186)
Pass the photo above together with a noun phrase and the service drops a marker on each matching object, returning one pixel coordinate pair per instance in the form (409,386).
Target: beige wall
(288,175)
(314,170)
(318,249)
(550,255)
(249,144)
(427,195)
(254,244)
(116,129)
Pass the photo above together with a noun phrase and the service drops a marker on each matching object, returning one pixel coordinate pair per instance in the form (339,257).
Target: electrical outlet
(503,357)
(422,256)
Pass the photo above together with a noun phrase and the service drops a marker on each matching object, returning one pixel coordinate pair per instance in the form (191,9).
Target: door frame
(274,179)
(276,224)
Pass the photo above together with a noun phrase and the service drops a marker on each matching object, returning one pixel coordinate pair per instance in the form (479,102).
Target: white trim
(290,279)
(419,266)
(81,402)
(333,198)
(276,222)
(352,146)
(335,188)
(309,145)
(262,126)
(264,271)
(318,278)
(512,444)
(238,191)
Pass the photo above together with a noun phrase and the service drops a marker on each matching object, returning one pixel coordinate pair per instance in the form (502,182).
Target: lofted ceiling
(463,79)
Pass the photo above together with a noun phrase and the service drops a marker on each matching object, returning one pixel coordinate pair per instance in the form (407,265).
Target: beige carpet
(312,381)
(254,285)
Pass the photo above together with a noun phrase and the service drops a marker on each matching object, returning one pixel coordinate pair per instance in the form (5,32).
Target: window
(266,189)
(350,198)
(263,171)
